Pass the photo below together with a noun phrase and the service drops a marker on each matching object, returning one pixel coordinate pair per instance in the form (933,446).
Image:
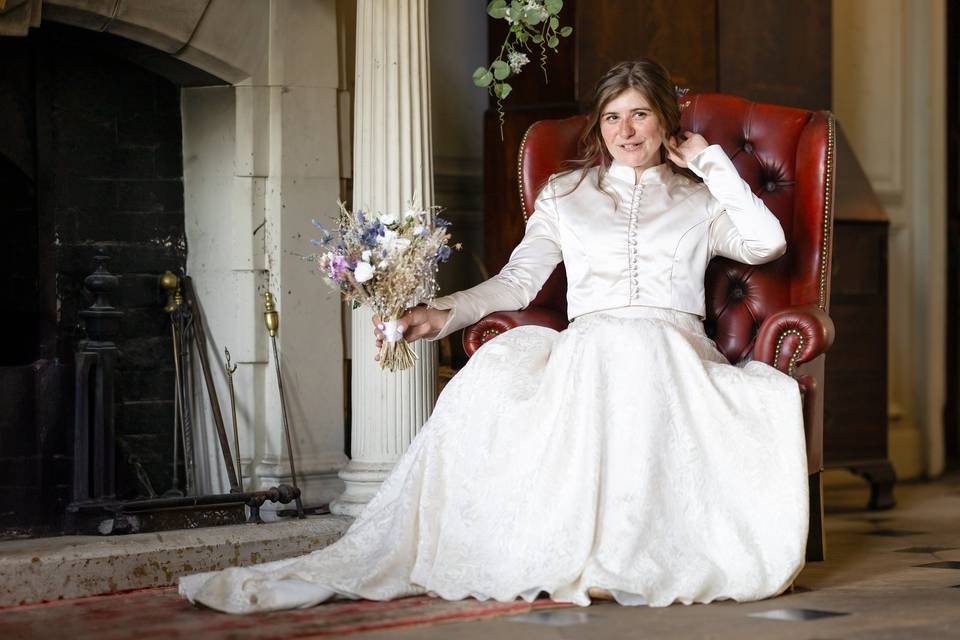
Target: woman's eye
(611,118)
(639,115)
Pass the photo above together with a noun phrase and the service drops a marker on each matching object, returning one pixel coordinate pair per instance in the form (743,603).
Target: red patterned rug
(161,613)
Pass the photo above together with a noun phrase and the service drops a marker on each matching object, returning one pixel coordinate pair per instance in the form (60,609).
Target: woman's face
(631,130)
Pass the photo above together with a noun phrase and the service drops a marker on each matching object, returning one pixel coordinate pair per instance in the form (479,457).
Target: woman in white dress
(623,457)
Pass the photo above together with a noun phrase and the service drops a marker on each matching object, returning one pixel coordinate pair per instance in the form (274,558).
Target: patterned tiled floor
(889,575)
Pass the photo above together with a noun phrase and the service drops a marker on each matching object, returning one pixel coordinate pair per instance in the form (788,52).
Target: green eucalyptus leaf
(532,17)
(537,39)
(553,6)
(566,31)
(554,22)
(522,37)
(500,69)
(553,42)
(497,9)
(482,77)
(502,90)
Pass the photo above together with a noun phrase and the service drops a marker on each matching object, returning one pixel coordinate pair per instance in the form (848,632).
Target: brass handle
(171,283)
(270,316)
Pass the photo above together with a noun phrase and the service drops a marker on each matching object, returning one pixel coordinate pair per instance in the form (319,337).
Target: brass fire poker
(233,410)
(182,429)
(272,319)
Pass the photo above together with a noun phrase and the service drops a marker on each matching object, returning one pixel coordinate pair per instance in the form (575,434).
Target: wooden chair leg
(816,540)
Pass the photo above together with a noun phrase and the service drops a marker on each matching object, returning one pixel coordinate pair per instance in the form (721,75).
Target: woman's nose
(626,129)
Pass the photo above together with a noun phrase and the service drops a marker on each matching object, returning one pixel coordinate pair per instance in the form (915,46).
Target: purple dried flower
(371,232)
(337,267)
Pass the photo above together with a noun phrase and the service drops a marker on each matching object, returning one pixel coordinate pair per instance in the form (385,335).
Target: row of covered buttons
(634,274)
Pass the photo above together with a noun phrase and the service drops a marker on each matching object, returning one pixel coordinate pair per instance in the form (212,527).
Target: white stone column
(392,164)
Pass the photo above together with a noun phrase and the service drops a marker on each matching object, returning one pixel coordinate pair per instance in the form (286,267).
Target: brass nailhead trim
(792,367)
(827,201)
(523,143)
(488,334)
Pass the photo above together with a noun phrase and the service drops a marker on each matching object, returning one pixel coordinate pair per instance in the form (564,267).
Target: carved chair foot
(881,476)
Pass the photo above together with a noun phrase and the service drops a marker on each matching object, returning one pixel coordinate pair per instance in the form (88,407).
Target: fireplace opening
(90,162)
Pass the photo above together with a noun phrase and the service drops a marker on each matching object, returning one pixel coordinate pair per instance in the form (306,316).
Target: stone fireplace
(185,136)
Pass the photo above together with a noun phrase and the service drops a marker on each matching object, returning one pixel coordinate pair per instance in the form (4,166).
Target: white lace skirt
(623,453)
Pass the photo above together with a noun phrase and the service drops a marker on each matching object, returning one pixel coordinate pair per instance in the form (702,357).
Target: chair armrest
(496,323)
(793,336)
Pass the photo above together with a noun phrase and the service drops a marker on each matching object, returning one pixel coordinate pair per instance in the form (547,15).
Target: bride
(623,457)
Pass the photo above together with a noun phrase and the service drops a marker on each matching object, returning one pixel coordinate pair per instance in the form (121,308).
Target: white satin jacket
(651,250)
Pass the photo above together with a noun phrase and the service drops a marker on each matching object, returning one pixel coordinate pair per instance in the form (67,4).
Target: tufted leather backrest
(786,155)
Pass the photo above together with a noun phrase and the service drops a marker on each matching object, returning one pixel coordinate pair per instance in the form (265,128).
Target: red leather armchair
(775,313)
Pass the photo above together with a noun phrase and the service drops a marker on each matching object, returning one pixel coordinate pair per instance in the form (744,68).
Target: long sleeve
(530,264)
(742,227)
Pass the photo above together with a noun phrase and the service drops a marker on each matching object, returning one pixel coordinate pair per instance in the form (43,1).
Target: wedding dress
(624,453)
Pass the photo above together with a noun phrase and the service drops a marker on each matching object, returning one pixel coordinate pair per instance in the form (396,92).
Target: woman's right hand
(416,323)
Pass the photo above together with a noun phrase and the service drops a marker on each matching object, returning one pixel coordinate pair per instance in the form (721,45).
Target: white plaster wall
(888,91)
(260,160)
(227,296)
(304,183)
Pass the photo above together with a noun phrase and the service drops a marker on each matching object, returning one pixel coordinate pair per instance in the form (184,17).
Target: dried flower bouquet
(388,262)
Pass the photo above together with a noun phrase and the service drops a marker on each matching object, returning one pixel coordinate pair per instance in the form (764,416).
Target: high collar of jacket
(658,174)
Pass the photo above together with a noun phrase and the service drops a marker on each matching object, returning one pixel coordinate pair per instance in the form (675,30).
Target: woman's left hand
(685,146)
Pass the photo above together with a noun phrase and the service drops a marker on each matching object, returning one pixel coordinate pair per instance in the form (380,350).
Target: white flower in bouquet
(387,262)
(363,272)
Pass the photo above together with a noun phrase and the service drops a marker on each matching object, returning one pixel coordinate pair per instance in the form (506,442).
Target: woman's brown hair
(649,78)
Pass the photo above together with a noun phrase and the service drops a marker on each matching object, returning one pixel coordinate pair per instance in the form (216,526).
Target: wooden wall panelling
(680,34)
(775,51)
(855,395)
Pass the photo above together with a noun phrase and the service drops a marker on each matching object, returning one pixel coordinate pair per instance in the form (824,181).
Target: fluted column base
(362,481)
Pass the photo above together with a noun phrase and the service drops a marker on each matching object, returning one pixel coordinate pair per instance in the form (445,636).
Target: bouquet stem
(395,353)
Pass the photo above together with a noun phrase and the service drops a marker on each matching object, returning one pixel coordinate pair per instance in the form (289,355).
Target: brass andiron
(272,319)
(233,411)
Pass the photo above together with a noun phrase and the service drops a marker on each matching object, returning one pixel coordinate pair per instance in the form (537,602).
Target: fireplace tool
(95,510)
(233,412)
(200,342)
(272,319)
(182,426)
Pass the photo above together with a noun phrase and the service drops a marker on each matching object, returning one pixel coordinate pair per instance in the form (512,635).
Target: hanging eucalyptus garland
(532,23)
